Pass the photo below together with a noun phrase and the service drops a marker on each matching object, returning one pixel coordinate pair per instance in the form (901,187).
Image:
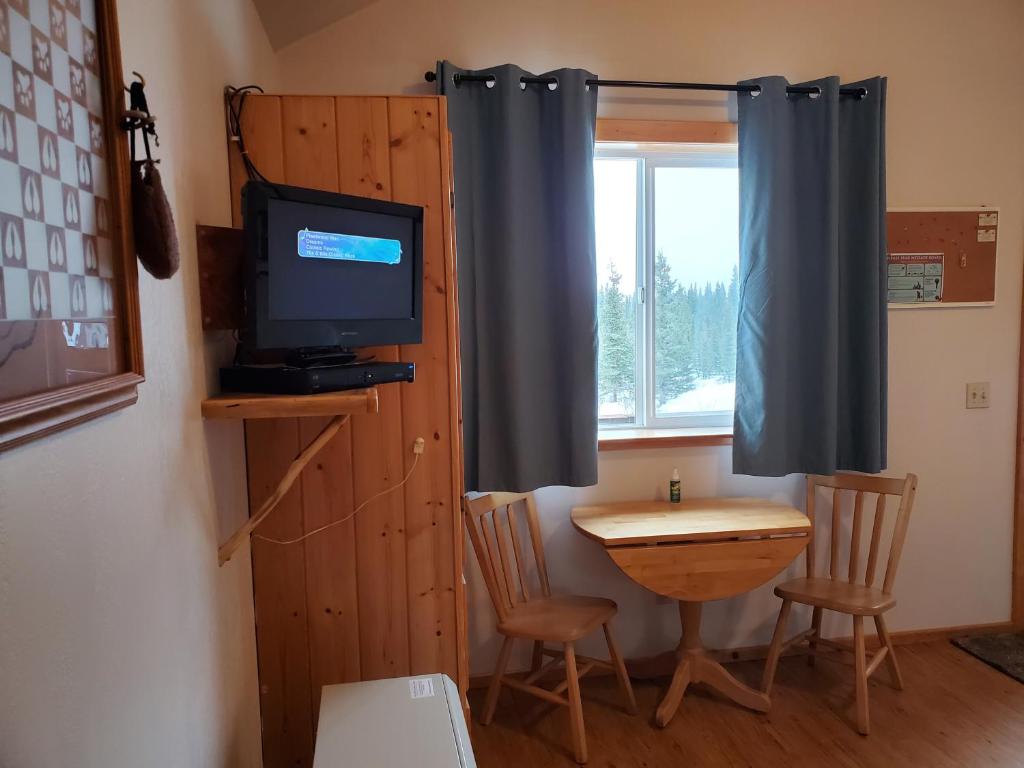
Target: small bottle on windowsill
(675,494)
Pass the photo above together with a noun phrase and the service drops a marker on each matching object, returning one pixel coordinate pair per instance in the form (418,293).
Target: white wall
(121,642)
(954,138)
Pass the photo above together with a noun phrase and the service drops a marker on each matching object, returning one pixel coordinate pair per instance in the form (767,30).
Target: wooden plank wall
(381,594)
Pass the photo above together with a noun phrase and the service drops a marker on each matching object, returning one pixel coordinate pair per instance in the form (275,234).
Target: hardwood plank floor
(955,712)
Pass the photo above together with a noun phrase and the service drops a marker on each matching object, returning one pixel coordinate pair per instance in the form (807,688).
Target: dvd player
(289,380)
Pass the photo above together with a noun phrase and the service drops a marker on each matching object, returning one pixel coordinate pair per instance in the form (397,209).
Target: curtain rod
(810,90)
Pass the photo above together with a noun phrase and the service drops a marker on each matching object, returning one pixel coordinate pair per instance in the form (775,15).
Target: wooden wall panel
(261,127)
(380,535)
(379,594)
(454,400)
(364,166)
(415,161)
(279,590)
(310,145)
(332,600)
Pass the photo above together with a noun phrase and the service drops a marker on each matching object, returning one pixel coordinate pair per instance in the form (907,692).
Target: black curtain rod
(810,90)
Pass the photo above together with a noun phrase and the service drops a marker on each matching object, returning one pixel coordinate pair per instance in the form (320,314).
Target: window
(667,260)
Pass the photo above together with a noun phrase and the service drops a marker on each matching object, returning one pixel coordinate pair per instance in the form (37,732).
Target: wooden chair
(536,615)
(847,592)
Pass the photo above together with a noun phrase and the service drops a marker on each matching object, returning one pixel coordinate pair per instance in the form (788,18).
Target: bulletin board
(942,257)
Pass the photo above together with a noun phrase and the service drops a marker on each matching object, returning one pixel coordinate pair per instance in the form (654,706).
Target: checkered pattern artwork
(56,255)
(52,174)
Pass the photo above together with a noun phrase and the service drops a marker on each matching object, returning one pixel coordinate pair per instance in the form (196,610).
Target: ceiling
(286,22)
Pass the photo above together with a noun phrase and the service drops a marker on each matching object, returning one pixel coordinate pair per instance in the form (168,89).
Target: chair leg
(538,656)
(579,737)
(812,643)
(491,702)
(890,659)
(776,648)
(620,670)
(860,671)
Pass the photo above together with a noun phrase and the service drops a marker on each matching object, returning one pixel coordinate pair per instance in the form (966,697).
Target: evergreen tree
(673,335)
(732,304)
(617,340)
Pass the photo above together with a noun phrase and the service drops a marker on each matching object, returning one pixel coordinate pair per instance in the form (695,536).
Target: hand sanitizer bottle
(675,494)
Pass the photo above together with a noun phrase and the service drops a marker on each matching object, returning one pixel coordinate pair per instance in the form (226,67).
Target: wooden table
(695,551)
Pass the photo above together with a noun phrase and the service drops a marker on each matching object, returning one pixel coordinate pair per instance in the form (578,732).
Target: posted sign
(915,278)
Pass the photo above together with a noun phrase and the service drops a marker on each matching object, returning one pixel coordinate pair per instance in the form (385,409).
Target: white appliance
(403,721)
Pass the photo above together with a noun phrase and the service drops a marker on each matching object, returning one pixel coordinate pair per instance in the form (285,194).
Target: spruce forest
(694,336)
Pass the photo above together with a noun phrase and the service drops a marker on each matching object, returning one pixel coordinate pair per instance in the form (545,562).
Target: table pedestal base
(693,665)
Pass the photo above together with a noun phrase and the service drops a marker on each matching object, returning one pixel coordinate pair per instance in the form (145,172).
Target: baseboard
(664,663)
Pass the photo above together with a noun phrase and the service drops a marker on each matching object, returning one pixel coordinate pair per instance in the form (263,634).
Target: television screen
(331,263)
(330,270)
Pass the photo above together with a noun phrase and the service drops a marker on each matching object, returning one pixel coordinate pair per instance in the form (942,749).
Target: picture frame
(78,398)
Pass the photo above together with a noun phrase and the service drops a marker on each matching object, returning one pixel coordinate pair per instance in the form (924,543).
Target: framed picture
(70,338)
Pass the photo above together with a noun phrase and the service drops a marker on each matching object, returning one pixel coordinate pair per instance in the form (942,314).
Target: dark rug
(1004,652)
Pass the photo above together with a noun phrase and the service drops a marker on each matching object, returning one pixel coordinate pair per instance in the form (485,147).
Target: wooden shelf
(235,406)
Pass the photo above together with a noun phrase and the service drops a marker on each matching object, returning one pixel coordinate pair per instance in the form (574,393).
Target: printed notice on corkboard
(915,278)
(942,257)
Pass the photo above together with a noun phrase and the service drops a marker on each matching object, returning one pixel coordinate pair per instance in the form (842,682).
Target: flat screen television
(324,270)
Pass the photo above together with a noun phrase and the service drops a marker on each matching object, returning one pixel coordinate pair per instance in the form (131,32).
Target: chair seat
(834,595)
(558,619)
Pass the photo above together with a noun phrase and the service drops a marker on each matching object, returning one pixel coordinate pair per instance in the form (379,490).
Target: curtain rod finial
(430,76)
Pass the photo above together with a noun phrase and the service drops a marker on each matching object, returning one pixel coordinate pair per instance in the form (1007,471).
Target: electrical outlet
(977,394)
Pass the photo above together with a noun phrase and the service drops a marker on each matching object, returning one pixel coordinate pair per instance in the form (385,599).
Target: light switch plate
(977,394)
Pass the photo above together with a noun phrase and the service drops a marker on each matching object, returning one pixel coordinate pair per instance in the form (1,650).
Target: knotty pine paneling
(380,594)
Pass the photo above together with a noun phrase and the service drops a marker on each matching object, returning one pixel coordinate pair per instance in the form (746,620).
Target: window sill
(692,437)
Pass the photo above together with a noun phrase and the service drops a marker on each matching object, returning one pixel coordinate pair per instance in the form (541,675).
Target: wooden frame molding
(694,437)
(665,131)
(1017,572)
(35,416)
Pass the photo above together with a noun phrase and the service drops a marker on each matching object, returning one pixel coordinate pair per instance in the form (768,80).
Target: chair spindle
(858,508)
(876,538)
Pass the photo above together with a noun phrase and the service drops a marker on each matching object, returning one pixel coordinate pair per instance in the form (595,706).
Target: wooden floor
(955,712)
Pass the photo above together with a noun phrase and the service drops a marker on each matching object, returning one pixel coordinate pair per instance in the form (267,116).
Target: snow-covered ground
(709,395)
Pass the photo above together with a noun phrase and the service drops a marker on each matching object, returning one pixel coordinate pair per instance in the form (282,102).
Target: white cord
(417,450)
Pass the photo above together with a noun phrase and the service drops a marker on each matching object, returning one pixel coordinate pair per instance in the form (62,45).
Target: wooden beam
(665,131)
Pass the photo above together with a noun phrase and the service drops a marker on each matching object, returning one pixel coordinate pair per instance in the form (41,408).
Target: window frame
(644,140)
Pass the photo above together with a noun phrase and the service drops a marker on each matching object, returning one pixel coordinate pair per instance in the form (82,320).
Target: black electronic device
(289,380)
(328,272)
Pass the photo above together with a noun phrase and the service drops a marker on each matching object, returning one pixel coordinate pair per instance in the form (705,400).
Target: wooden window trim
(35,416)
(664,132)
(685,437)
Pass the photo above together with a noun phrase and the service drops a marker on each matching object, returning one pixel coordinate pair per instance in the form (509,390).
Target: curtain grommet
(553,85)
(522,84)
(755,93)
(863,94)
(817,93)
(491,82)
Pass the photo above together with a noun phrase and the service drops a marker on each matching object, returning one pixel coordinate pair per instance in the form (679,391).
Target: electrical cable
(417,452)
(235,127)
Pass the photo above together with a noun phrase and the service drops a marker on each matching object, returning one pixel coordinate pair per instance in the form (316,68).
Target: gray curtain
(811,332)
(524,214)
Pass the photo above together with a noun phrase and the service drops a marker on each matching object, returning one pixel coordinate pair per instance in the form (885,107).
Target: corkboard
(967,238)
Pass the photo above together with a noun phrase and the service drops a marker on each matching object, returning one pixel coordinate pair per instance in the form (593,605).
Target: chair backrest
(506,569)
(903,488)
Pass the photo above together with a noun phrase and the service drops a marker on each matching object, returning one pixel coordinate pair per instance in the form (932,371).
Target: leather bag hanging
(156,240)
